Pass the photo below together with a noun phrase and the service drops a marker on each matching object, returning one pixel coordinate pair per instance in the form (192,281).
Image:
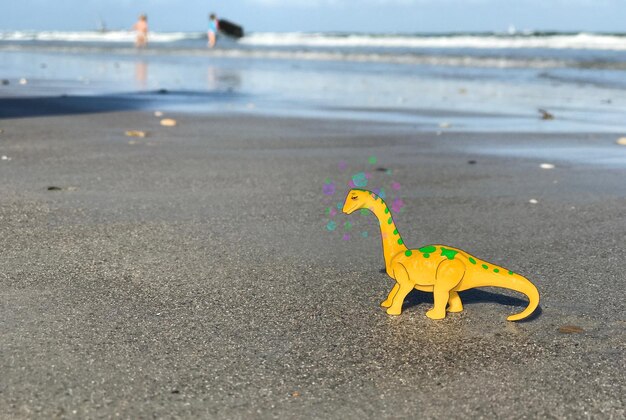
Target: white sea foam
(454,61)
(602,51)
(418,59)
(93,36)
(583,41)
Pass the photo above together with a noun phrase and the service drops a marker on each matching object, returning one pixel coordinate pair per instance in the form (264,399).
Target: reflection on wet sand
(141,73)
(221,79)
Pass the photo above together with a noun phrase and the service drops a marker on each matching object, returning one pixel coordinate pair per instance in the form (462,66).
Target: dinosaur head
(356,199)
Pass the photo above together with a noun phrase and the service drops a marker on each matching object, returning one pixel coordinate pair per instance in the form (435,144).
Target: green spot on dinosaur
(495,270)
(408,253)
(510,272)
(473,261)
(364,211)
(448,253)
(400,241)
(485,266)
(426,255)
(386,210)
(428,249)
(389,221)
(395,231)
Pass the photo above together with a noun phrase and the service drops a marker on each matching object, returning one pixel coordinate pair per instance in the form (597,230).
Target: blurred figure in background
(141,27)
(212,32)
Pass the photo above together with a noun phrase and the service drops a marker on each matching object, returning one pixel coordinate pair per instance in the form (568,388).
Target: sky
(380,16)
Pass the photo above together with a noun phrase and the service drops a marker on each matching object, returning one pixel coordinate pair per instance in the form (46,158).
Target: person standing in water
(141,27)
(212,32)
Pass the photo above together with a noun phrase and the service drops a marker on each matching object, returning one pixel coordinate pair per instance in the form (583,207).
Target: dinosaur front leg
(387,302)
(449,274)
(454,302)
(404,287)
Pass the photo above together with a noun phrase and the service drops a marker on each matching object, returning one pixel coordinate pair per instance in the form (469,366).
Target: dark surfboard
(230,29)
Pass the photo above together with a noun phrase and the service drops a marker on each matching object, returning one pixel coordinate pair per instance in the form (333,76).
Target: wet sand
(189,274)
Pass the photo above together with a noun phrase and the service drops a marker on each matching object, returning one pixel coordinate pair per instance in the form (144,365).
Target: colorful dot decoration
(397,205)
(359,180)
(335,187)
(380,192)
(329,189)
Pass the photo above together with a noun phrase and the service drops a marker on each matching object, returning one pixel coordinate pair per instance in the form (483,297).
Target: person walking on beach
(212,32)
(141,27)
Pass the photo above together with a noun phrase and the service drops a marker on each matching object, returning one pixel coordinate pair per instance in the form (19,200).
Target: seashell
(168,122)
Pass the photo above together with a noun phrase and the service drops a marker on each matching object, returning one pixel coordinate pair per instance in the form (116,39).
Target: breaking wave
(581,41)
(94,36)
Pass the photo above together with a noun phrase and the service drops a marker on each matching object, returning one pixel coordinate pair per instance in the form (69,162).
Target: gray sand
(190,274)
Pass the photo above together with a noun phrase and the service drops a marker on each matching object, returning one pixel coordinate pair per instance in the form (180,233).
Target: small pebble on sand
(168,122)
(547,166)
(545,115)
(533,201)
(621,141)
(23,81)
(4,157)
(136,133)
(445,125)
(158,114)
(570,329)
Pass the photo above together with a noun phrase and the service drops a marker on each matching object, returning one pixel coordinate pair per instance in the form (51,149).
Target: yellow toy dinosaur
(439,269)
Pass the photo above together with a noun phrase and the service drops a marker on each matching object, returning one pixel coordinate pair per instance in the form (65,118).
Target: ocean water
(464,81)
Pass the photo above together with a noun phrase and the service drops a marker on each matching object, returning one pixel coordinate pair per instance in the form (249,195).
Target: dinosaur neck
(391,239)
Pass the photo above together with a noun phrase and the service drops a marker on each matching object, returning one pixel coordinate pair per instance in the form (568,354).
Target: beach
(192,272)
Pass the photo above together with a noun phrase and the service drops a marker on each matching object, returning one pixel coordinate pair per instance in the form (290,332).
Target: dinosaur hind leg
(449,274)
(454,302)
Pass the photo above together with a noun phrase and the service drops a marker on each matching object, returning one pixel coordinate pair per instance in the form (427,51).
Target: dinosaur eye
(355,197)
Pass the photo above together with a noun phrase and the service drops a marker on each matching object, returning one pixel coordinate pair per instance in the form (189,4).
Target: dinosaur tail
(519,284)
